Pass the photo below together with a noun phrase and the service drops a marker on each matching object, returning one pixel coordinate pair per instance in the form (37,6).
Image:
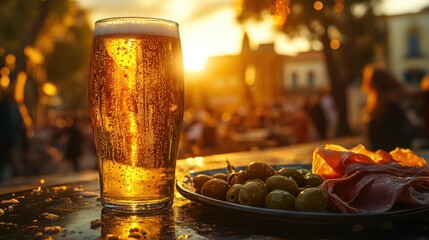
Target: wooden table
(72,210)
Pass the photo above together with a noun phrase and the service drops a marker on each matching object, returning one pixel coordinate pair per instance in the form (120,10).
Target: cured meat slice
(361,181)
(330,161)
(376,188)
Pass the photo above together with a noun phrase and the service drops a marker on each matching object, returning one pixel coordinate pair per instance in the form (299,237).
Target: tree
(50,42)
(348,30)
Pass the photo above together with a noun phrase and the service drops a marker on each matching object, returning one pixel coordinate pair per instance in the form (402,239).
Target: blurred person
(316,113)
(222,126)
(327,103)
(74,145)
(424,85)
(13,138)
(237,122)
(300,125)
(88,160)
(43,157)
(6,136)
(193,135)
(275,122)
(387,124)
(209,132)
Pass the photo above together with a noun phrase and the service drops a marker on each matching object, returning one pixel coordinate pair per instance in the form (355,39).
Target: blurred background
(258,74)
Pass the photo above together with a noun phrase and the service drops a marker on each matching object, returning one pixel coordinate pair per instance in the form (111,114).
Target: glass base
(136,206)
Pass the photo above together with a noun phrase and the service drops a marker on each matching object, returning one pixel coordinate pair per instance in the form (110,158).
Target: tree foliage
(50,41)
(349,31)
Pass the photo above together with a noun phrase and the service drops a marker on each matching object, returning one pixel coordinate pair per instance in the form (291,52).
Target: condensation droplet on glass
(173,107)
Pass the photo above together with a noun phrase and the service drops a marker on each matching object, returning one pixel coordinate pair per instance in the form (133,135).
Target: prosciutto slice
(371,182)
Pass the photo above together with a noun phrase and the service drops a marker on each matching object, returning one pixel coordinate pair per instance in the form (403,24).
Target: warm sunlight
(194,60)
(216,32)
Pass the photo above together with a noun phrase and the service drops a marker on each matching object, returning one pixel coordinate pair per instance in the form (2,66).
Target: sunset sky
(208,27)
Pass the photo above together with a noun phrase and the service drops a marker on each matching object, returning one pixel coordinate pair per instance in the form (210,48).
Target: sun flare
(194,60)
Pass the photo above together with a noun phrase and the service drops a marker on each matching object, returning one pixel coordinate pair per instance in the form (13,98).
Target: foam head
(137,25)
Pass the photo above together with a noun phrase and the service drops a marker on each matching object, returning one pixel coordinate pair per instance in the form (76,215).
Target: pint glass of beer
(136,108)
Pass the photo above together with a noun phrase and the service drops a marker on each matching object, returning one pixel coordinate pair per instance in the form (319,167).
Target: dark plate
(185,187)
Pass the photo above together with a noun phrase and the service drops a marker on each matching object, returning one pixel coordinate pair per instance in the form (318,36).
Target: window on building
(310,79)
(413,76)
(413,43)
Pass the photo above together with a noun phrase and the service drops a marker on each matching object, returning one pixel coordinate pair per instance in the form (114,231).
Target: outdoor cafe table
(72,210)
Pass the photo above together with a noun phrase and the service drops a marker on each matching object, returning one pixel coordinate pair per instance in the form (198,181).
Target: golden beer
(136,107)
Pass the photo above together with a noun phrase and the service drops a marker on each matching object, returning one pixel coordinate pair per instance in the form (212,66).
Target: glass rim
(130,19)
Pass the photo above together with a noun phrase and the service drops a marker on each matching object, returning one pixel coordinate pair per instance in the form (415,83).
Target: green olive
(312,200)
(233,193)
(215,188)
(279,199)
(221,175)
(300,189)
(252,194)
(304,171)
(313,180)
(281,182)
(199,181)
(239,177)
(293,173)
(259,170)
(255,180)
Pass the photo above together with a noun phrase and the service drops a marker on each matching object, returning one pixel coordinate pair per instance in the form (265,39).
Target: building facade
(256,78)
(261,77)
(305,72)
(408,46)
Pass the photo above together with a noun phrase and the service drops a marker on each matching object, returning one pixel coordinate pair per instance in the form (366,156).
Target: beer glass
(136,108)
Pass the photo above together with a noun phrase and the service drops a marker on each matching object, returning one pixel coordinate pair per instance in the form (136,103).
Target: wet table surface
(73,211)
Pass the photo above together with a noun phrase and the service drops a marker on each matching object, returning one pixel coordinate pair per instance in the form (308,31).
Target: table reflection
(139,226)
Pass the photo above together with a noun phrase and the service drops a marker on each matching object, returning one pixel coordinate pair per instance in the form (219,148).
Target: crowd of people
(65,142)
(394,117)
(62,144)
(295,120)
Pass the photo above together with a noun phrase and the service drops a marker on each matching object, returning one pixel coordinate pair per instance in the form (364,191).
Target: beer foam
(152,26)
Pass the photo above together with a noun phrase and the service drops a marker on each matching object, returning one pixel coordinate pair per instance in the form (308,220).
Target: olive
(282,183)
(293,173)
(252,194)
(239,177)
(279,199)
(233,193)
(304,171)
(300,189)
(311,200)
(199,181)
(313,180)
(215,188)
(255,180)
(222,176)
(259,170)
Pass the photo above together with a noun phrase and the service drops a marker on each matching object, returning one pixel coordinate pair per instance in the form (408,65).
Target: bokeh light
(339,6)
(335,44)
(49,89)
(4,82)
(318,5)
(10,60)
